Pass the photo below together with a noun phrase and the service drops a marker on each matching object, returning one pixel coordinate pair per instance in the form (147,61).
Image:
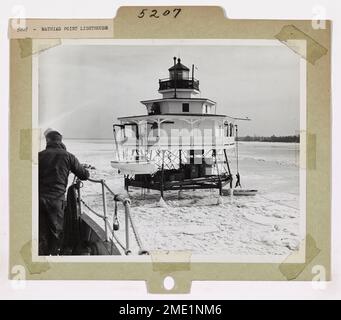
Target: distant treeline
(273,138)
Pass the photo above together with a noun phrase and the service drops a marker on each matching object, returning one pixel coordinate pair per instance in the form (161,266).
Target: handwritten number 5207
(154,13)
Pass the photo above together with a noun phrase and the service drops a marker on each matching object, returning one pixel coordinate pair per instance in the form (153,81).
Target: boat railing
(109,229)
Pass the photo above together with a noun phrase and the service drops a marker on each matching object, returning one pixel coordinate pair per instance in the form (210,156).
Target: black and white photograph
(152,145)
(157,154)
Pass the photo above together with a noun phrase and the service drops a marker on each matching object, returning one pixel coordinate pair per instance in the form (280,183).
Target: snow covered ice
(266,224)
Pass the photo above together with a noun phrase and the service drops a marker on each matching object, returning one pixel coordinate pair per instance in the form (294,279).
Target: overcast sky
(83,88)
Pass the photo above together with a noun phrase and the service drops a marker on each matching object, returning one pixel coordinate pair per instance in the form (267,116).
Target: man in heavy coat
(55,165)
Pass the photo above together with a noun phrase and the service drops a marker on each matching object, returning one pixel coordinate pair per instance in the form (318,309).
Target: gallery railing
(165,84)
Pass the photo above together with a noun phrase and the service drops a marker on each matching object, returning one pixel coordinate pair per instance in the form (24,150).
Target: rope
(100,216)
(138,240)
(93,211)
(126,203)
(116,239)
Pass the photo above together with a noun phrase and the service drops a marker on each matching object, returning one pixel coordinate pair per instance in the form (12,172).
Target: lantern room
(180,81)
(178,71)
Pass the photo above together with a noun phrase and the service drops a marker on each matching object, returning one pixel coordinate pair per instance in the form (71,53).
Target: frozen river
(264,225)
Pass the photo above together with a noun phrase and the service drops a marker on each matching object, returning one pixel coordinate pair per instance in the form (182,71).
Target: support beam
(228,168)
(162,174)
(218,173)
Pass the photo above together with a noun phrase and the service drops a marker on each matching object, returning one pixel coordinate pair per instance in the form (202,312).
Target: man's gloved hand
(88,166)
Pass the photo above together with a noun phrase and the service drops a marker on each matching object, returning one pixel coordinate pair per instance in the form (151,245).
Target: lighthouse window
(185,74)
(226,129)
(185,107)
(179,75)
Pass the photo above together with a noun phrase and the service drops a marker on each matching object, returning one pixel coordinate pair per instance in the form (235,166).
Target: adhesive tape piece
(28,46)
(311,154)
(175,264)
(33,267)
(292,270)
(307,152)
(29,144)
(301,43)
(303,150)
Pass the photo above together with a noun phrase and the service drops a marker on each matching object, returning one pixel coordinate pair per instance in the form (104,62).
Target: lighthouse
(179,143)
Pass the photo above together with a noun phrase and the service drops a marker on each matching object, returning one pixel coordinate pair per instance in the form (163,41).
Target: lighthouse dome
(179,66)
(178,70)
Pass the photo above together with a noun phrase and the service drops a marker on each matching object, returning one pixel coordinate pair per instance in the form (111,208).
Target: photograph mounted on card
(170,142)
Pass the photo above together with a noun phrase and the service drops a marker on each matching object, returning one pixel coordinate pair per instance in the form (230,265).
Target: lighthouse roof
(171,116)
(178,66)
(179,99)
